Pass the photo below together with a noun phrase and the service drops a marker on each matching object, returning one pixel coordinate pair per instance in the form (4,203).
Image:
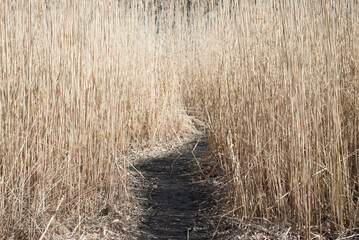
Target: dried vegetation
(82,82)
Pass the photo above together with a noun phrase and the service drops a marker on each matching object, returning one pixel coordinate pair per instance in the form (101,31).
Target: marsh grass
(81,83)
(282,96)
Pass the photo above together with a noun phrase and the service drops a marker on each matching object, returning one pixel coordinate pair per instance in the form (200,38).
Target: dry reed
(82,83)
(281,94)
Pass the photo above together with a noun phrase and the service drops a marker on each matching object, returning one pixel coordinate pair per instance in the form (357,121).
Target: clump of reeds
(281,94)
(81,83)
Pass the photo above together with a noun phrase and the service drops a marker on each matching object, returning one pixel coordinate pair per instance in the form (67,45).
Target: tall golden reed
(83,82)
(282,98)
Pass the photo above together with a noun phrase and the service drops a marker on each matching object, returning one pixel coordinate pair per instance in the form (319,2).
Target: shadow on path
(175,202)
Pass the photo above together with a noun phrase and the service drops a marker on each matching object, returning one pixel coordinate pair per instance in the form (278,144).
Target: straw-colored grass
(83,82)
(282,97)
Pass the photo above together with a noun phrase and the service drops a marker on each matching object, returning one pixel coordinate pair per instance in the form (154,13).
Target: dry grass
(83,82)
(282,94)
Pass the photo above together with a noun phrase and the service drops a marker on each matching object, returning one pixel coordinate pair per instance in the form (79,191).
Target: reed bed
(281,95)
(83,83)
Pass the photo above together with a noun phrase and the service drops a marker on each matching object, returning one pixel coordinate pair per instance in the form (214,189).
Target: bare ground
(177,196)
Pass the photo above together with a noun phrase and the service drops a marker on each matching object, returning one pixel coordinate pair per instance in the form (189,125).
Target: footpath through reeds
(82,83)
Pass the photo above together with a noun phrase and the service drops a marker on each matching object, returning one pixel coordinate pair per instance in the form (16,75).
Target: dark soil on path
(175,201)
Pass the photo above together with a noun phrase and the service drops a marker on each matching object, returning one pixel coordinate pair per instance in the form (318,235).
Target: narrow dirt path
(175,201)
